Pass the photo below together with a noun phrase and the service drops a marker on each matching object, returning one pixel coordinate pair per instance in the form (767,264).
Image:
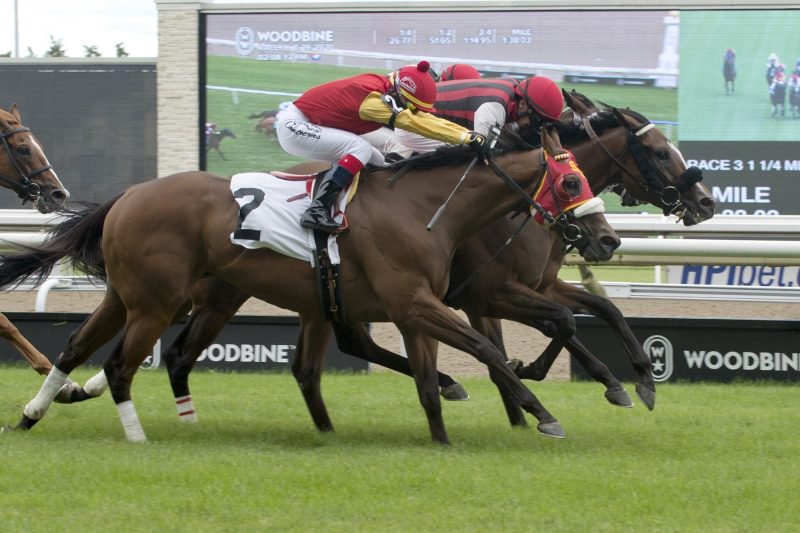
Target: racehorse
(24,169)
(266,122)
(729,71)
(154,256)
(626,150)
(777,94)
(645,164)
(794,94)
(214,139)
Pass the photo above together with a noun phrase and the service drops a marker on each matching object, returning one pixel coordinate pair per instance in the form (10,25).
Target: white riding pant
(301,137)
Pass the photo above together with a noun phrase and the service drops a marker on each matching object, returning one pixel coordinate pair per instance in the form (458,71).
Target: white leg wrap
(130,422)
(96,385)
(65,392)
(37,407)
(185,407)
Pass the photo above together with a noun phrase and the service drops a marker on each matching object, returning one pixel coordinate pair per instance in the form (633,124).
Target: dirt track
(521,342)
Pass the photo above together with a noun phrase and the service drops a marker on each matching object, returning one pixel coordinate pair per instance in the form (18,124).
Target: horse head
(649,167)
(24,168)
(566,202)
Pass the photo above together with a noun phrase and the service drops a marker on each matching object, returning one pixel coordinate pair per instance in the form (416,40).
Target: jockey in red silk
(326,122)
(459,71)
(479,105)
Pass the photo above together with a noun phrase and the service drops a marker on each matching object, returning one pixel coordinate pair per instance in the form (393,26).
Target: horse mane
(448,155)
(605,117)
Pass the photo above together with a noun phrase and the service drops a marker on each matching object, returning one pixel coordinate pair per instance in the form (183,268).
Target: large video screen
(708,79)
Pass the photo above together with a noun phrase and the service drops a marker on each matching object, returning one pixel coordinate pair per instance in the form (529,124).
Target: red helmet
(542,95)
(460,71)
(415,86)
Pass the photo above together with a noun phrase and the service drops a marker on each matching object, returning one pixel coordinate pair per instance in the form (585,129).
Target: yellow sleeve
(373,108)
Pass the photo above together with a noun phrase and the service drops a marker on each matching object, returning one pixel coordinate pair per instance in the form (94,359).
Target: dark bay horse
(214,140)
(24,169)
(623,149)
(154,254)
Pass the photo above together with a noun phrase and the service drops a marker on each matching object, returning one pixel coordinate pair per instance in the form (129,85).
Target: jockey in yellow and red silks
(326,122)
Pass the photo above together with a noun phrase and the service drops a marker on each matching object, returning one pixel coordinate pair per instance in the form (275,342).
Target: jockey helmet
(773,58)
(542,95)
(460,71)
(415,86)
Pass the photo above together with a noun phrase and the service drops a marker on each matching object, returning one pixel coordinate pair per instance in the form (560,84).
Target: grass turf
(709,458)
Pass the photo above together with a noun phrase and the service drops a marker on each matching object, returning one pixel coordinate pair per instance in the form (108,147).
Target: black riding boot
(318,215)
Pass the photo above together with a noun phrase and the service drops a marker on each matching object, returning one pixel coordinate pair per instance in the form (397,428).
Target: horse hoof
(647,394)
(66,392)
(515,365)
(552,429)
(619,397)
(454,393)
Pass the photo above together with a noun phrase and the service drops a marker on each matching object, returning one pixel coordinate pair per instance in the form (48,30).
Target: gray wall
(96,120)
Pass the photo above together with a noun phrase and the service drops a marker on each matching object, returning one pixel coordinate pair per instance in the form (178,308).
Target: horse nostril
(610,242)
(59,196)
(708,202)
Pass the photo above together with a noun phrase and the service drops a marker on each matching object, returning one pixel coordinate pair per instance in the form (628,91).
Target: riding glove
(479,143)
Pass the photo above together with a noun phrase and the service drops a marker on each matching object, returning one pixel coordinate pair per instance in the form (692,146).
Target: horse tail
(78,238)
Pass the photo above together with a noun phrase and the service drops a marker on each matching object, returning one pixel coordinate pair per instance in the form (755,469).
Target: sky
(79,23)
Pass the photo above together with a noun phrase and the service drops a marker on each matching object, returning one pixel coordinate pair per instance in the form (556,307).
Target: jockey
(772,67)
(479,105)
(211,128)
(385,140)
(326,122)
(459,71)
(730,56)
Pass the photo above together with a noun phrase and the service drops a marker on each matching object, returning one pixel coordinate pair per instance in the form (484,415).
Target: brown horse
(24,169)
(520,283)
(154,255)
(512,285)
(214,140)
(266,122)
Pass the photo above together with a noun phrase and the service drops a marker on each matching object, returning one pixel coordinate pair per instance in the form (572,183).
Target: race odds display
(725,89)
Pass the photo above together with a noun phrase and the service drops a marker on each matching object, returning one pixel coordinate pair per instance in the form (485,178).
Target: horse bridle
(654,179)
(24,187)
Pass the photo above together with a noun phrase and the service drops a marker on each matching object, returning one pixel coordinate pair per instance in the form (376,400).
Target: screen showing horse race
(723,85)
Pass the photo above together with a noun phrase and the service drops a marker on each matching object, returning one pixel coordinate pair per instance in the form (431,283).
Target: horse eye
(24,150)
(663,155)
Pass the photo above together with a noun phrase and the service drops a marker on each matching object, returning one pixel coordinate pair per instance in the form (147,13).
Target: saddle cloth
(269,215)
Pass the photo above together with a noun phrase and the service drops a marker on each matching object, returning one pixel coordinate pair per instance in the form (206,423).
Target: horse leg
(142,330)
(215,303)
(94,332)
(35,358)
(583,302)
(315,333)
(353,339)
(421,351)
(492,329)
(424,312)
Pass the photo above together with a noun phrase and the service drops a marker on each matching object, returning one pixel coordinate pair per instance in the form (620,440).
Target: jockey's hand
(479,143)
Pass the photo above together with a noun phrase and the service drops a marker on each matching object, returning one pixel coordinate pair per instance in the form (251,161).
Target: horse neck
(596,165)
(482,198)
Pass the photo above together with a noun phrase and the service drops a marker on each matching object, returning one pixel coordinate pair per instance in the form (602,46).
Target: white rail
(646,240)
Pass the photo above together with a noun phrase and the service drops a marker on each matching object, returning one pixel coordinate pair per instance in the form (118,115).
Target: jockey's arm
(374,109)
(487,115)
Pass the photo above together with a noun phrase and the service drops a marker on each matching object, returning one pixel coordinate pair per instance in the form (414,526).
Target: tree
(56,48)
(121,52)
(31,53)
(7,54)
(90,51)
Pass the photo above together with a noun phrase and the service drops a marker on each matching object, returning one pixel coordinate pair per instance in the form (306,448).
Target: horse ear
(549,143)
(15,113)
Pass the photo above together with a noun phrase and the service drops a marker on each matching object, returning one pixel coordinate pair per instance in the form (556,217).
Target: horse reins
(24,187)
(670,195)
